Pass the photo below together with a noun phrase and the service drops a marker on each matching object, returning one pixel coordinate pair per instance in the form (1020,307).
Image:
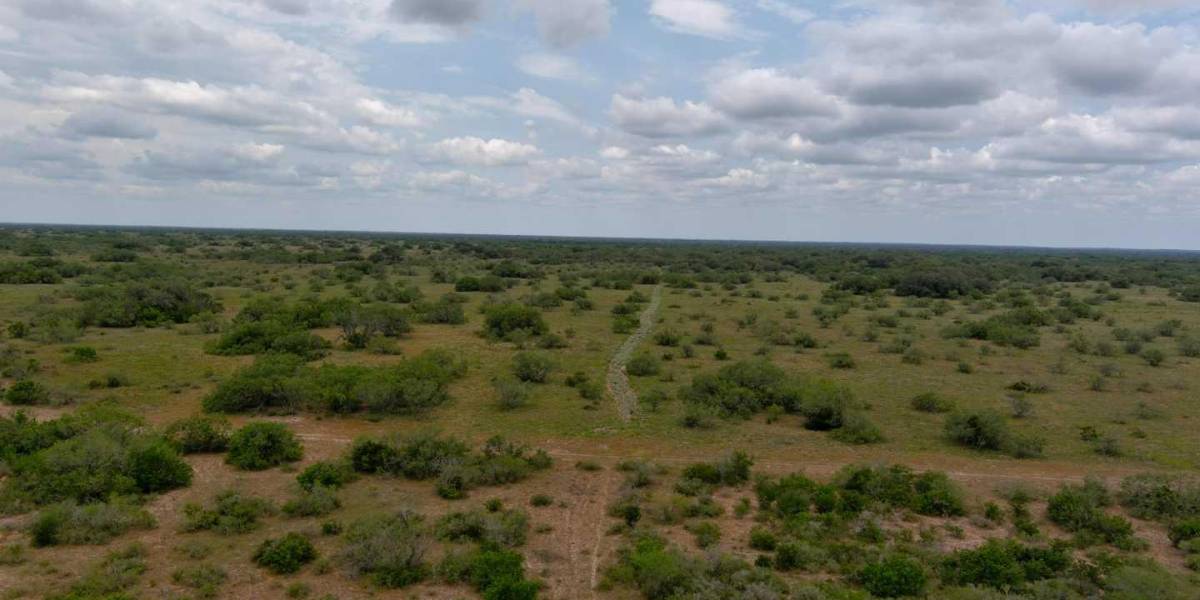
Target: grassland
(1099,407)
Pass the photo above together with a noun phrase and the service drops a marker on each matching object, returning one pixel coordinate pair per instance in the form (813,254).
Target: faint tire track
(618,380)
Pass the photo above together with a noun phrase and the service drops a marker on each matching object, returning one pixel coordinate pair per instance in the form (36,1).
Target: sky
(936,121)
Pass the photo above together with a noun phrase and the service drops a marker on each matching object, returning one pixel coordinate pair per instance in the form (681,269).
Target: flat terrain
(1109,390)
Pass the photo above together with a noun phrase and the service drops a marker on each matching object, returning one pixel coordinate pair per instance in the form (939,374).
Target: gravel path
(618,381)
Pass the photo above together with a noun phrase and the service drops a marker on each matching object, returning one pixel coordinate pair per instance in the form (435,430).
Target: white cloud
(708,18)
(552,66)
(378,112)
(663,117)
(474,151)
(765,93)
(787,10)
(565,23)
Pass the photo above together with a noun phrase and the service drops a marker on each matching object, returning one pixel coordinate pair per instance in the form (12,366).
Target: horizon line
(599,238)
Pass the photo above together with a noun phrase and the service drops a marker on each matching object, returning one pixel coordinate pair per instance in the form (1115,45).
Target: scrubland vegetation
(202,414)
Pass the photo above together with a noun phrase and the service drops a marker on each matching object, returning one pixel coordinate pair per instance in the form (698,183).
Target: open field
(1038,371)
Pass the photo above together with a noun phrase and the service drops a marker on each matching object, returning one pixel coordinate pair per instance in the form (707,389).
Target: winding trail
(618,380)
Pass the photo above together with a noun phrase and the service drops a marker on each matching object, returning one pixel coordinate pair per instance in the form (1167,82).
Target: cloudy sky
(968,121)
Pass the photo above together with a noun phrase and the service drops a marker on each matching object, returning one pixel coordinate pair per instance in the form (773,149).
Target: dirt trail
(618,381)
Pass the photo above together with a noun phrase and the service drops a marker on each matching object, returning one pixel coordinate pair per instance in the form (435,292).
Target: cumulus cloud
(766,93)
(708,18)
(787,10)
(663,117)
(565,23)
(438,12)
(552,66)
(474,151)
(1102,59)
(101,123)
(379,112)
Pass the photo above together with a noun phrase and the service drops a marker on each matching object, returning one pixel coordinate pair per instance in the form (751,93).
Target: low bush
(262,445)
(68,523)
(644,364)
(1004,564)
(26,392)
(501,528)
(980,430)
(894,577)
(285,554)
(199,434)
(504,320)
(329,474)
(531,367)
(389,549)
(1079,509)
(231,513)
(204,579)
(315,501)
(932,402)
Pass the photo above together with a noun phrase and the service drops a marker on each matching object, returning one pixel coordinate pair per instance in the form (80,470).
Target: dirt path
(618,381)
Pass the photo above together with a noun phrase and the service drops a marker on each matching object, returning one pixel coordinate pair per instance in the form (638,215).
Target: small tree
(263,445)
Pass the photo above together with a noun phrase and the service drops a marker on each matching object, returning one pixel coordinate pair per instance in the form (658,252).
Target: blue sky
(937,121)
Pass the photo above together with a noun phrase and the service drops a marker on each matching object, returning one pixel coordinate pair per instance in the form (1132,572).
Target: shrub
(932,402)
(98,460)
(1004,564)
(643,364)
(26,392)
(1153,356)
(502,320)
(894,577)
(328,474)
(262,445)
(531,367)
(73,524)
(285,554)
(1160,497)
(1182,531)
(1078,509)
(312,502)
(389,549)
(857,429)
(232,513)
(840,360)
(981,430)
(82,354)
(205,579)
(511,394)
(499,528)
(199,434)
(706,533)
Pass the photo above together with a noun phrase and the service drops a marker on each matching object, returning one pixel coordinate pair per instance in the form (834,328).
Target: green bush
(857,429)
(82,354)
(262,445)
(932,402)
(232,513)
(643,364)
(285,554)
(26,392)
(503,320)
(1004,564)
(1183,531)
(501,528)
(894,577)
(329,474)
(204,579)
(388,549)
(981,430)
(201,433)
(1159,497)
(68,523)
(96,461)
(312,502)
(1079,509)
(531,367)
